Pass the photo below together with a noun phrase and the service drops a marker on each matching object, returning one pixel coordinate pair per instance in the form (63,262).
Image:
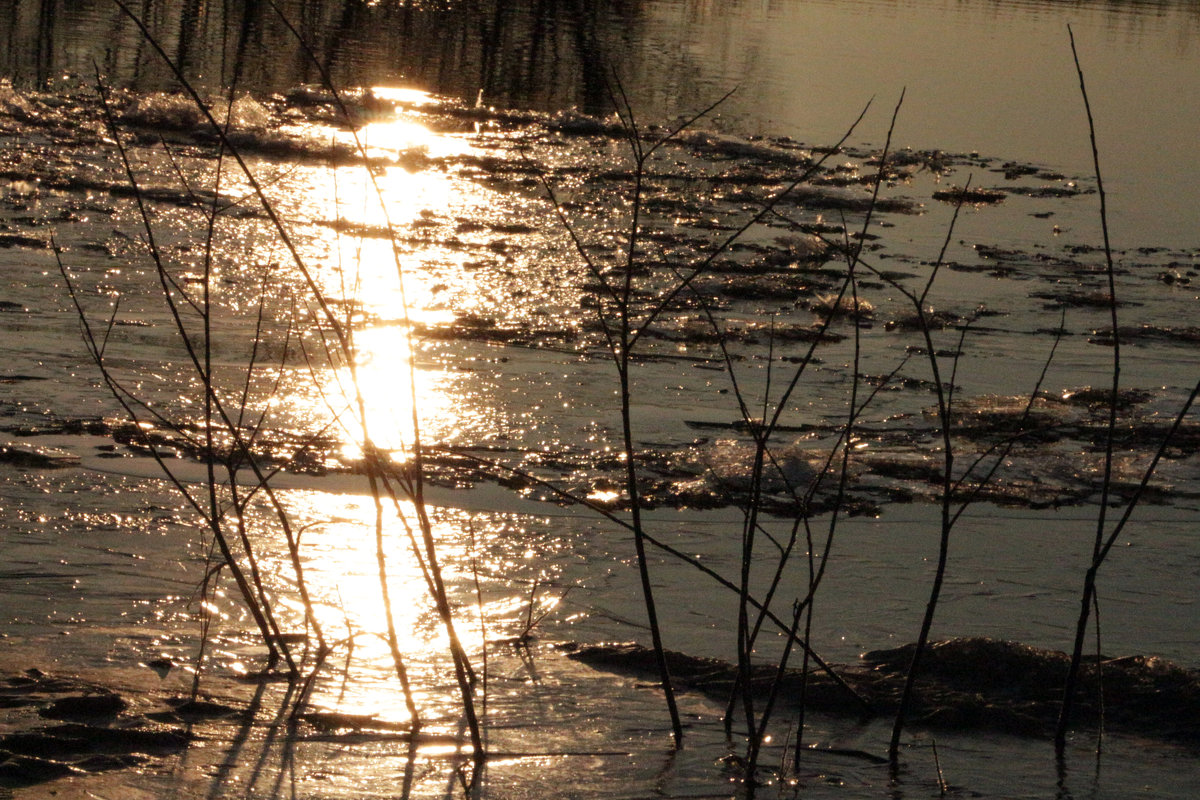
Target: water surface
(507,361)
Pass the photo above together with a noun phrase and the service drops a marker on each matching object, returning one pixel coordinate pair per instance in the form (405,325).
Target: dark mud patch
(65,728)
(930,319)
(476,328)
(963,685)
(62,726)
(8,240)
(970,195)
(28,455)
(1149,334)
(1081,262)
(1074,298)
(34,458)
(1013,451)
(297,455)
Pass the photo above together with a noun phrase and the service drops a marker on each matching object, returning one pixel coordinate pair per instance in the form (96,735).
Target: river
(471,322)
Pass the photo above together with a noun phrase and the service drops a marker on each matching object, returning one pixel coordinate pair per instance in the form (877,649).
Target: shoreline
(107,731)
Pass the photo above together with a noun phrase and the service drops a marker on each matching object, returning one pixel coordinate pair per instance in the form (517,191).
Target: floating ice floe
(786,469)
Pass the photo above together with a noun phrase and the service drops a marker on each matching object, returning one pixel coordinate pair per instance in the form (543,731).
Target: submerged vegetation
(827,378)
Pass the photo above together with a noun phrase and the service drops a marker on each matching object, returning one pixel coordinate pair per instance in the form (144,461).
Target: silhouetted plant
(1103,542)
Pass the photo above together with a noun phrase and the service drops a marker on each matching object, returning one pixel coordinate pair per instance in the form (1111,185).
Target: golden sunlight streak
(340,552)
(393,271)
(400,251)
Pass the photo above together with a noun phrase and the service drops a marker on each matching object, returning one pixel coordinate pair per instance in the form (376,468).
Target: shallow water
(510,365)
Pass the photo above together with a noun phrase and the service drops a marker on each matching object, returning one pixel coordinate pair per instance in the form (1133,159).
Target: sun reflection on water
(496,587)
(384,275)
(384,270)
(396,252)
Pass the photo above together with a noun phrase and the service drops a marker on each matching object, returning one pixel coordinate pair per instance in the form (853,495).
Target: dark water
(549,55)
(991,76)
(539,54)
